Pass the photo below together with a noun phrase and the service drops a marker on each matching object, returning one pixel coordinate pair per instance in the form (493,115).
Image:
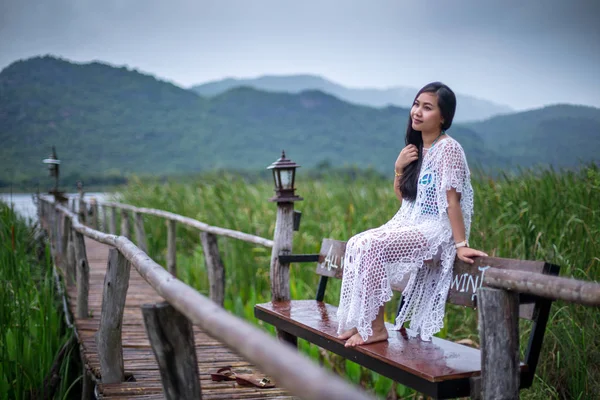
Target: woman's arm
(407,155)
(458,228)
(397,185)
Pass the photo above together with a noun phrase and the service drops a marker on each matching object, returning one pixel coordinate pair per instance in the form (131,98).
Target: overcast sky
(524,53)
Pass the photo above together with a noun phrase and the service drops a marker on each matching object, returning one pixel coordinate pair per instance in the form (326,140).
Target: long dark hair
(447,104)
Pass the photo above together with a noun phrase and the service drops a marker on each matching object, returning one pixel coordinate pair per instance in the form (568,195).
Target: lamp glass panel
(286,178)
(276,179)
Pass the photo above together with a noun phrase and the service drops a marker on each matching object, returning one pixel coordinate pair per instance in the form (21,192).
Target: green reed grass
(31,321)
(551,216)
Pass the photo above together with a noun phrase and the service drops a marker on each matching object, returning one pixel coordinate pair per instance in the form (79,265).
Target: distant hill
(561,135)
(469,108)
(106,120)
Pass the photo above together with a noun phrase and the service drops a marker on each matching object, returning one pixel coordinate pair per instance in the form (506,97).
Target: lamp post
(53,168)
(284,178)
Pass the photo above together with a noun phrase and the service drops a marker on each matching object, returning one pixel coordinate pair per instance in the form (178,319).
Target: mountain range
(469,108)
(115,121)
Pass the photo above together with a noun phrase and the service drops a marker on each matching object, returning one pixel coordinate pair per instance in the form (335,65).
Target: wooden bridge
(126,355)
(145,334)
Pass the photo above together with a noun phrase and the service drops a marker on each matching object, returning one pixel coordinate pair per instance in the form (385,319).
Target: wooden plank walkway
(140,364)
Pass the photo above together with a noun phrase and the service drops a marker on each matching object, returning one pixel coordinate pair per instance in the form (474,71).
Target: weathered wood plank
(108,337)
(499,335)
(172,340)
(214,267)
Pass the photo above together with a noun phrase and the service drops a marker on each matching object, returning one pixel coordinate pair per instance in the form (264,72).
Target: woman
(431,228)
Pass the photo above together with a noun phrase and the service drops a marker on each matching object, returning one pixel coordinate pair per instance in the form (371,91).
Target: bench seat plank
(439,368)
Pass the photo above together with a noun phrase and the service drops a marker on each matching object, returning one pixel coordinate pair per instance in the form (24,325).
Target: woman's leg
(379,332)
(366,281)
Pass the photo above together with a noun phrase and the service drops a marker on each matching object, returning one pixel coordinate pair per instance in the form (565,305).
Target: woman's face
(426,114)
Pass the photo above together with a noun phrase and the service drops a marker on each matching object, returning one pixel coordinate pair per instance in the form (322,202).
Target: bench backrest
(466,279)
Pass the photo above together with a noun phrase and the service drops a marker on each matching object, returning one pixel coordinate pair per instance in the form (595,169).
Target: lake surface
(23,202)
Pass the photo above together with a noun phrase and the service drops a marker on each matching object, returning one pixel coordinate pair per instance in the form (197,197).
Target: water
(23,202)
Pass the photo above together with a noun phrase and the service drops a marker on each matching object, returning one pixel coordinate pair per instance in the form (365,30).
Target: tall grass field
(551,216)
(32,328)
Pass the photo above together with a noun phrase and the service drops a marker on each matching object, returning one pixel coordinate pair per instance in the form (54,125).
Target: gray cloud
(524,54)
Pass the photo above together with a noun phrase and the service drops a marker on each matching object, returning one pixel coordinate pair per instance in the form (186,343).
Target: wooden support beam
(125,226)
(552,287)
(282,245)
(140,233)
(499,335)
(280,272)
(83,276)
(214,267)
(108,337)
(172,340)
(87,385)
(112,222)
(171,246)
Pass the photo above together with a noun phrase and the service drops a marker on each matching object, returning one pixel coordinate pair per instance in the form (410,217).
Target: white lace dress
(419,231)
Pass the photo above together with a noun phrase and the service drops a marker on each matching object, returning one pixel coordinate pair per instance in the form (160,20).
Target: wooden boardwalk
(140,364)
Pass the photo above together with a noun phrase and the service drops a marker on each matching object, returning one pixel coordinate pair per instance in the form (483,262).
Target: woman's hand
(408,154)
(465,254)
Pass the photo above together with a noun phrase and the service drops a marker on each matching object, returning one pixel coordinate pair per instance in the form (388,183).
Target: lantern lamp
(284,178)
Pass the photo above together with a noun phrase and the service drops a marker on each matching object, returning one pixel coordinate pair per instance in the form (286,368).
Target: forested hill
(106,120)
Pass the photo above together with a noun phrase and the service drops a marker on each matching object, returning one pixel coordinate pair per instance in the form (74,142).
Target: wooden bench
(439,368)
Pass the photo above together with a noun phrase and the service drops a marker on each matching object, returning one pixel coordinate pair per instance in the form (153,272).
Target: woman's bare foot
(379,335)
(348,334)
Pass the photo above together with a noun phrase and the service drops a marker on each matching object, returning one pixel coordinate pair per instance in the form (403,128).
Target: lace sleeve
(453,169)
(454,174)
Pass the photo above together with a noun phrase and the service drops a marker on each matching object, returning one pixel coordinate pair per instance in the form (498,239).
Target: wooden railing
(186,306)
(498,300)
(499,323)
(90,212)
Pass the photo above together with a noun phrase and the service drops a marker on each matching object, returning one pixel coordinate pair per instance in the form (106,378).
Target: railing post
(214,267)
(94,207)
(140,234)
(64,242)
(282,244)
(125,230)
(172,340)
(112,222)
(171,247)
(71,270)
(104,218)
(82,211)
(280,272)
(499,335)
(73,207)
(83,276)
(108,337)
